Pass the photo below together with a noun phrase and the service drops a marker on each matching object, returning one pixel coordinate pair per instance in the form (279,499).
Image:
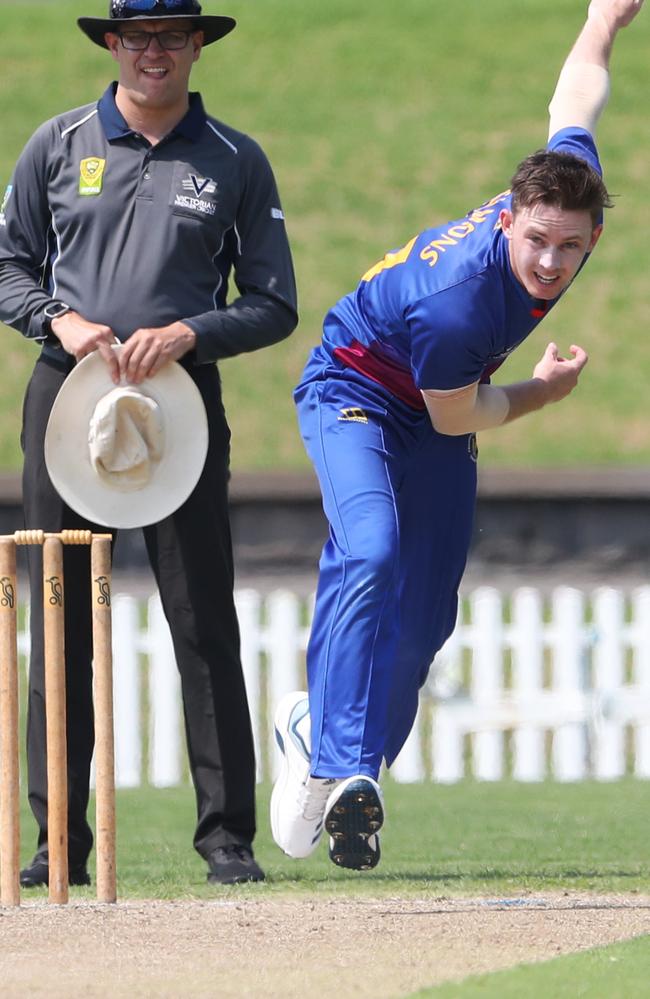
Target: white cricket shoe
(354,814)
(298,801)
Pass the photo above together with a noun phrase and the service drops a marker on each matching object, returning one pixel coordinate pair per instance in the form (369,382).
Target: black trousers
(191,558)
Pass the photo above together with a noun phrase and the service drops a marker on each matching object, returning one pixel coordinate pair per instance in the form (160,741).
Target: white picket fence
(528,686)
(533,689)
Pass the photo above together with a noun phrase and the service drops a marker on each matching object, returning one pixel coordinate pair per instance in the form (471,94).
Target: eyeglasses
(124,8)
(138,41)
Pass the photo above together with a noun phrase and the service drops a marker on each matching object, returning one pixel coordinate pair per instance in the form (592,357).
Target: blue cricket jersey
(443,311)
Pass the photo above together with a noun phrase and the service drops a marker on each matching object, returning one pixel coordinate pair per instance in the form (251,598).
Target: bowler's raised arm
(583,86)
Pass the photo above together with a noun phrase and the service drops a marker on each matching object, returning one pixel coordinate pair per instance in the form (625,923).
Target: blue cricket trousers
(399,499)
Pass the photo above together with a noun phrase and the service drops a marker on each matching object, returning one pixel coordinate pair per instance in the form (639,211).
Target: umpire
(125,219)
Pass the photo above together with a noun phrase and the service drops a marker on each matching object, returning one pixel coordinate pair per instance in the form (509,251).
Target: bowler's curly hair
(562,180)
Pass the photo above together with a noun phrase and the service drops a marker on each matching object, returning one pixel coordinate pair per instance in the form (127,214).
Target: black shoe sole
(356,815)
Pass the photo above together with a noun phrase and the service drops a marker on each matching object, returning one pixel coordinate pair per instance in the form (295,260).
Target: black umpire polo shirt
(134,235)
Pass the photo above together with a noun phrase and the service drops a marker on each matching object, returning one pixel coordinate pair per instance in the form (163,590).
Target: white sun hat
(127,455)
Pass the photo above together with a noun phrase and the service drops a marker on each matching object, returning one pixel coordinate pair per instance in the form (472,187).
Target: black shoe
(233,864)
(37,875)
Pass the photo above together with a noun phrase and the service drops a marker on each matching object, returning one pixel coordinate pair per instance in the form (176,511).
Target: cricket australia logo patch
(198,194)
(353,414)
(91,176)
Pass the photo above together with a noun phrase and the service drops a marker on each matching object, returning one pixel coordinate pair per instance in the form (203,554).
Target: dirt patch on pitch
(292,948)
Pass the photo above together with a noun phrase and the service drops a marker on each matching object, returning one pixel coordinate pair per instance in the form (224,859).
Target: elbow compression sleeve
(580,96)
(466,413)
(492,407)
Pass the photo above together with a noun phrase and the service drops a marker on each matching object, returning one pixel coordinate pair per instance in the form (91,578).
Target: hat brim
(213,26)
(67,454)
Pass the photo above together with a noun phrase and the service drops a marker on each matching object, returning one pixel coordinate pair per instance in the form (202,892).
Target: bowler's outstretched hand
(616,13)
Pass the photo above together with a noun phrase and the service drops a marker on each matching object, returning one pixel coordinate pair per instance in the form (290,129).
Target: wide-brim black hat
(213,26)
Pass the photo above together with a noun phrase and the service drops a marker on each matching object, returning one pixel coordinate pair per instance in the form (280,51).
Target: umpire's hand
(147,350)
(79,337)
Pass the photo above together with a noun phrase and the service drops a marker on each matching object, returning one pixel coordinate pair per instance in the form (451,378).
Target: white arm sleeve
(468,409)
(580,96)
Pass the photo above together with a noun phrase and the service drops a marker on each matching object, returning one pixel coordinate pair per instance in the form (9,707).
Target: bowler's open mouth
(546,280)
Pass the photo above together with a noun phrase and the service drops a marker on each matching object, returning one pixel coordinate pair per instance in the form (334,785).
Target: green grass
(621,971)
(501,839)
(380,120)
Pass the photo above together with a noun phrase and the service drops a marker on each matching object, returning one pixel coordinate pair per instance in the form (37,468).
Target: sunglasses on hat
(132,8)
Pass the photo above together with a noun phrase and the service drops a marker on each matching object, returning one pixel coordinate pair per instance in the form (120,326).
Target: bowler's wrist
(607,26)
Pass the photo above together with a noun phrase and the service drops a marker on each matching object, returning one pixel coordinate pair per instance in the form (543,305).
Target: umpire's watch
(52,311)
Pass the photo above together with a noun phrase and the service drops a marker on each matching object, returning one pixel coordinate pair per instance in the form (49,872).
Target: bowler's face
(547,245)
(156,78)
